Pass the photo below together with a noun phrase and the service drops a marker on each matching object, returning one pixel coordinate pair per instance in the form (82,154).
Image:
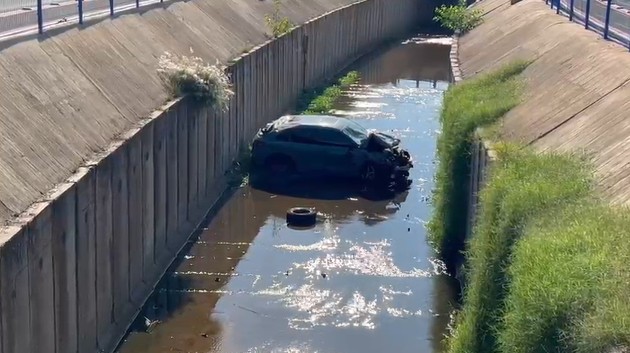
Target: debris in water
(323,275)
(150,325)
(204,335)
(217,279)
(409,229)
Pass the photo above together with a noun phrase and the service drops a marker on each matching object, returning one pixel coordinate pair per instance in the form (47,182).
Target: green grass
(467,106)
(319,102)
(523,186)
(570,285)
(547,265)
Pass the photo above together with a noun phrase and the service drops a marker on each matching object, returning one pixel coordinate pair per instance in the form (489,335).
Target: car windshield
(356,132)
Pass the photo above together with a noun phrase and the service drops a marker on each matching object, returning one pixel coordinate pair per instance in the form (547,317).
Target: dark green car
(322,145)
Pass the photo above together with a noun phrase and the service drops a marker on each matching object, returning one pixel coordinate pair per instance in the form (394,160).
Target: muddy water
(362,280)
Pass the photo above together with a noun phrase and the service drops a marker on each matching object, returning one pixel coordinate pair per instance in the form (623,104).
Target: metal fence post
(587,14)
(571,6)
(111,8)
(80,5)
(137,4)
(558,6)
(40,17)
(607,23)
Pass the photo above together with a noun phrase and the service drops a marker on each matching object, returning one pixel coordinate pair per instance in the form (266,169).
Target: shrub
(458,17)
(467,106)
(207,84)
(278,25)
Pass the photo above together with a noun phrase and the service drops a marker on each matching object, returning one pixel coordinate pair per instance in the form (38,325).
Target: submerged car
(318,145)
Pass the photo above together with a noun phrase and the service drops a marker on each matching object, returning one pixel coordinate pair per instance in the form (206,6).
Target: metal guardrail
(606,17)
(21,15)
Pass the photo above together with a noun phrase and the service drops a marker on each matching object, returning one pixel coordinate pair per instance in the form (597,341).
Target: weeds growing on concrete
(458,17)
(547,262)
(190,76)
(239,172)
(466,107)
(277,24)
(323,102)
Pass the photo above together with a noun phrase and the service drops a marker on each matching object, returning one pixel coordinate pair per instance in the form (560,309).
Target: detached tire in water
(301,217)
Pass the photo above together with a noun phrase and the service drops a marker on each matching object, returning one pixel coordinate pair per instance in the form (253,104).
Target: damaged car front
(386,152)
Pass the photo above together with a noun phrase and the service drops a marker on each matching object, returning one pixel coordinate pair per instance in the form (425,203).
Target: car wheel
(279,165)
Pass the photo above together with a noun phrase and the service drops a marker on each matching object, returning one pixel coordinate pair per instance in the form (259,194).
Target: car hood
(387,141)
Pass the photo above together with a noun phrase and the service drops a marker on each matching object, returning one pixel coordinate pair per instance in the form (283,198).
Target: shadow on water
(363,279)
(336,200)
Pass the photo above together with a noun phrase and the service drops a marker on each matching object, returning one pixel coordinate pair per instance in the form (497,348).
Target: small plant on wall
(278,25)
(191,76)
(458,17)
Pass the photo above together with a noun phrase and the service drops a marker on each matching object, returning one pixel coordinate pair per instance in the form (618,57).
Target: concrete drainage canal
(363,279)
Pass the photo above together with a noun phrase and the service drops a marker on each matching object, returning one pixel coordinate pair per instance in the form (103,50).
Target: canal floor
(364,279)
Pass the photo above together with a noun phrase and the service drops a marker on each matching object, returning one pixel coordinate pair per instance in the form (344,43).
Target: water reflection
(362,280)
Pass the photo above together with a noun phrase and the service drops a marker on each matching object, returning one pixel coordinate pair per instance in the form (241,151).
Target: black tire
(280,165)
(301,216)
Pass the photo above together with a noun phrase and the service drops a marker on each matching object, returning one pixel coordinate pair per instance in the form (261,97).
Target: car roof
(291,121)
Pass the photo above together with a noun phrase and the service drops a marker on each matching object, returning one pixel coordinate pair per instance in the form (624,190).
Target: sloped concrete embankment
(68,93)
(576,90)
(77,265)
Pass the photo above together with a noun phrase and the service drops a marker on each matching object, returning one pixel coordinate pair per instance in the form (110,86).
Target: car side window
(303,136)
(323,137)
(284,136)
(334,137)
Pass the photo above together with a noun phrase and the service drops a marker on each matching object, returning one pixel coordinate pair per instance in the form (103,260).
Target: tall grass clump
(318,103)
(467,106)
(547,262)
(570,284)
(522,187)
(190,76)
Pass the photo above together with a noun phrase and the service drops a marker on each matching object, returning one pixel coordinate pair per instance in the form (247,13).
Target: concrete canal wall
(78,263)
(575,89)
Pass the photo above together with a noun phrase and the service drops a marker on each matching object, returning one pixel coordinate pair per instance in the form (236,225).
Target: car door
(336,151)
(308,153)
